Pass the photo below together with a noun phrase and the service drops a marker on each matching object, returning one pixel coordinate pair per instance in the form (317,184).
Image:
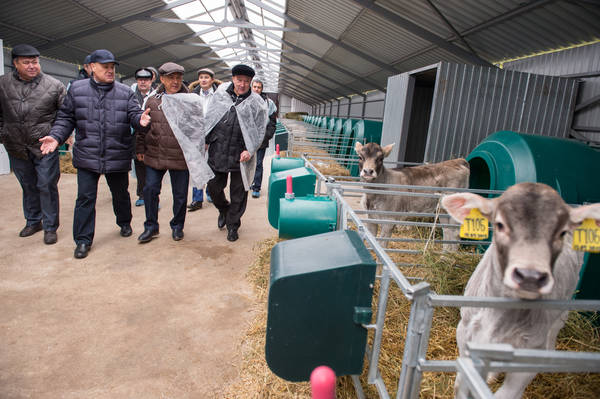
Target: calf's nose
(368,172)
(529,279)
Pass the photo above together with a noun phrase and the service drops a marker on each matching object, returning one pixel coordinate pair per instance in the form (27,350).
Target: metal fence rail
(418,293)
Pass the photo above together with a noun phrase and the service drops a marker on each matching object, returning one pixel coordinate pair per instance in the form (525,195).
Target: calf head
(370,159)
(530,223)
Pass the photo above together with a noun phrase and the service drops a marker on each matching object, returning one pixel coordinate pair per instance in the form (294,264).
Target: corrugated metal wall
(471,102)
(584,61)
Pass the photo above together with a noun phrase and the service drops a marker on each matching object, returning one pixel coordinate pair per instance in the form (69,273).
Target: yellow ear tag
(475,226)
(587,237)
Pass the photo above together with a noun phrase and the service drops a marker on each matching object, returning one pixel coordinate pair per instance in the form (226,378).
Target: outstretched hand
(49,144)
(145,118)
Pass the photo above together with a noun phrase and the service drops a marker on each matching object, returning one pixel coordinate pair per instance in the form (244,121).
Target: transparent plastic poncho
(184,114)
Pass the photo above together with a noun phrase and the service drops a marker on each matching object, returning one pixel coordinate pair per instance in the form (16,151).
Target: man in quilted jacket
(103,111)
(29,101)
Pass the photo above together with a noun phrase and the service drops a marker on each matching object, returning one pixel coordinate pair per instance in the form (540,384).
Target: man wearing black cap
(29,101)
(102,110)
(227,149)
(143,78)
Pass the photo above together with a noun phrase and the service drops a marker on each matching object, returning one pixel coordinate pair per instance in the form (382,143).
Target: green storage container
(282,140)
(303,182)
(331,123)
(306,216)
(337,132)
(346,144)
(572,168)
(506,158)
(283,163)
(320,293)
(364,131)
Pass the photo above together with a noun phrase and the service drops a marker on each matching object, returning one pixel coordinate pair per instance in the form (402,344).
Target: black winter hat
(242,69)
(103,57)
(24,50)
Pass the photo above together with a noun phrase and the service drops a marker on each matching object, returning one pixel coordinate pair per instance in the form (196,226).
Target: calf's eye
(563,233)
(499,227)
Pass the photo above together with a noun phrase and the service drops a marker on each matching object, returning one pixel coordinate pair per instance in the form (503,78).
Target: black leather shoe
(30,230)
(177,234)
(81,251)
(232,235)
(222,219)
(126,231)
(147,235)
(194,206)
(50,237)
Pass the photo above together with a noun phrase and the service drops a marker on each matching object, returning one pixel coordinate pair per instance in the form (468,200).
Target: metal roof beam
(421,32)
(310,29)
(110,25)
(178,39)
(302,84)
(225,24)
(334,66)
(451,27)
(301,91)
(291,94)
(226,46)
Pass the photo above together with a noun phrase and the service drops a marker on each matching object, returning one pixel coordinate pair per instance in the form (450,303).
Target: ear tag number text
(475,226)
(586,237)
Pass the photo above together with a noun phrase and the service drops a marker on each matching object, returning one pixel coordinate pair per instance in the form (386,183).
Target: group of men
(111,122)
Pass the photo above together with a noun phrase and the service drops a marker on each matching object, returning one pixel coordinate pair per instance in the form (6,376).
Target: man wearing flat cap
(102,110)
(228,151)
(29,101)
(159,150)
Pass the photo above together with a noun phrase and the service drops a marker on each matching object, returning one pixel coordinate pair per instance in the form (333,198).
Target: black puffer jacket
(102,114)
(226,140)
(27,111)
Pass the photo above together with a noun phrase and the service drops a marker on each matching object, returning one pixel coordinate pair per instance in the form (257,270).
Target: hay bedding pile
(447,274)
(66,163)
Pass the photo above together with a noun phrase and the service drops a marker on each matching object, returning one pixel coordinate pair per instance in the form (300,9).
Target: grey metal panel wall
(63,71)
(580,60)
(470,103)
(394,115)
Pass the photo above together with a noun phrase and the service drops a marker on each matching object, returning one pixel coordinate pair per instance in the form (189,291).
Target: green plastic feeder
(346,143)
(364,131)
(282,140)
(506,158)
(282,163)
(320,293)
(306,216)
(303,181)
(338,130)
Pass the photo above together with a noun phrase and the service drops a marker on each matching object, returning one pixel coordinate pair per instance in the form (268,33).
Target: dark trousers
(179,186)
(84,221)
(237,195)
(260,155)
(39,181)
(140,175)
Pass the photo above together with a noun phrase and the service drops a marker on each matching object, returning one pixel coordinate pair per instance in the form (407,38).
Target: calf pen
(423,301)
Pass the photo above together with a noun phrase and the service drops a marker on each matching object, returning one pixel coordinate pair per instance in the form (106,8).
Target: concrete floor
(159,320)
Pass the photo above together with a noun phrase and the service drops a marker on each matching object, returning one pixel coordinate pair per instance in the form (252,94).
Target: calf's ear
(358,147)
(581,213)
(460,204)
(387,149)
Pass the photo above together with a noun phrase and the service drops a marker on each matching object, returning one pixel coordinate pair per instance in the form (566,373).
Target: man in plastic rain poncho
(232,131)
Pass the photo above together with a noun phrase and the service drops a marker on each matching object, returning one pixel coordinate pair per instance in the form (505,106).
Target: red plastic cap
(277,149)
(288,185)
(322,383)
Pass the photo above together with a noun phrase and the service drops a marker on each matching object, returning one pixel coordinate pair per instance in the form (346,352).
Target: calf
(453,173)
(530,258)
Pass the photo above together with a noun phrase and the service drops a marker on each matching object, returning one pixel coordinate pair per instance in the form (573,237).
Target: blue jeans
(179,186)
(39,181)
(258,175)
(197,194)
(84,220)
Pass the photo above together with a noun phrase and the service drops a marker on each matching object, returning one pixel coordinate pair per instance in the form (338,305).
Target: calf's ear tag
(586,237)
(475,226)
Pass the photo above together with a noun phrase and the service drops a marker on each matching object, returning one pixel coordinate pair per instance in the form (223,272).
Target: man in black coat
(102,110)
(225,152)
(29,101)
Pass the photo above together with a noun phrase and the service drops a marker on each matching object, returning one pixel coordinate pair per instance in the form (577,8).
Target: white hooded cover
(184,114)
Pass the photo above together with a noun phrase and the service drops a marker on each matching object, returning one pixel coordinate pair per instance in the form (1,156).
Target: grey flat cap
(207,71)
(170,67)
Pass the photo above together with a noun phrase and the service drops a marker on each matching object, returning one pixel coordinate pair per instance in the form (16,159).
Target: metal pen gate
(423,300)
